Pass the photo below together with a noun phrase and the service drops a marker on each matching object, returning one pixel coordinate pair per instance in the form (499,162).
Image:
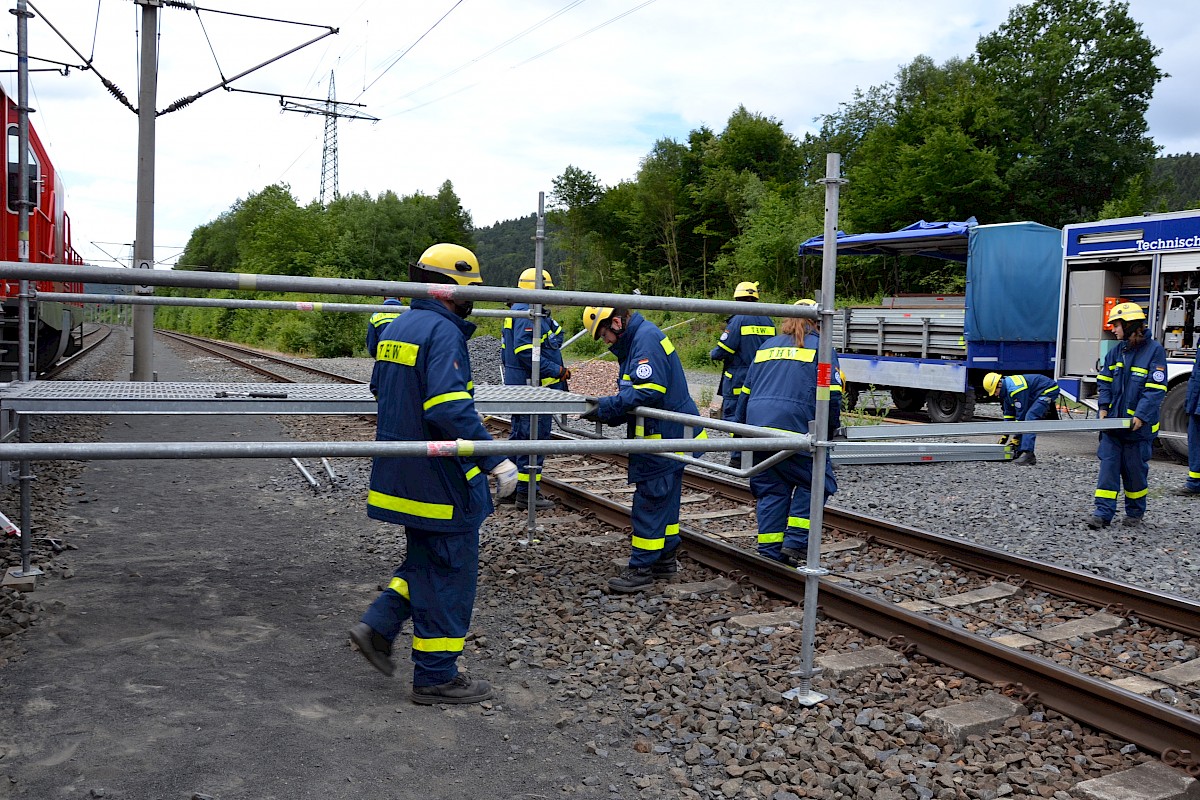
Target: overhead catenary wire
(407,49)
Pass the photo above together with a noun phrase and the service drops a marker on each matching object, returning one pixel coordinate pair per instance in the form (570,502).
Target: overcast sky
(498,97)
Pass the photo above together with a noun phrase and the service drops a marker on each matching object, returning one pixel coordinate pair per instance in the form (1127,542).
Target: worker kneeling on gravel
(651,375)
(743,335)
(781,393)
(422,378)
(1024,397)
(516,352)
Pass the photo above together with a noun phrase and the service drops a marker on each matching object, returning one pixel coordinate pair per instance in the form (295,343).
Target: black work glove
(592,414)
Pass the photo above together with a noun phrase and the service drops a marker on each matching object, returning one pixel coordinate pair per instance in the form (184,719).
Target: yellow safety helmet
(1126,312)
(528,279)
(805,302)
(991,383)
(746,289)
(594,317)
(454,260)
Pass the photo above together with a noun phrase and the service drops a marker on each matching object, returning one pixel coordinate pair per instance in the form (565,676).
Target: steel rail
(61,366)
(216,349)
(1173,735)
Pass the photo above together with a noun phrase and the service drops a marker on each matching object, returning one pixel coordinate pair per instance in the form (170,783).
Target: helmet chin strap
(464,310)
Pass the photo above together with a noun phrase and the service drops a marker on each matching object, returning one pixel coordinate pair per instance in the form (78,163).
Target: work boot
(507,500)
(1131,522)
(1026,458)
(665,568)
(374,647)
(632,579)
(1095,523)
(540,504)
(463,689)
(793,557)
(1183,491)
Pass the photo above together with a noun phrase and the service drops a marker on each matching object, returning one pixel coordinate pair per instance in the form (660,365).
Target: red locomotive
(57,326)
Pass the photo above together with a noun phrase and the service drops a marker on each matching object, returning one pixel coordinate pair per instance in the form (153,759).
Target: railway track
(91,340)
(880,583)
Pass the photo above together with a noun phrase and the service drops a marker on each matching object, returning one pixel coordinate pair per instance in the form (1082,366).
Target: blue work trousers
(784,494)
(1038,409)
(728,409)
(1193,479)
(656,519)
(1124,460)
(520,430)
(435,586)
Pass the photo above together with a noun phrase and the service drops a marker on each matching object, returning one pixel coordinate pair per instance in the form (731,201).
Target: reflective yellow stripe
(1135,495)
(1107,494)
(523,348)
(725,347)
(1103,378)
(667,347)
(381,319)
(673,530)
(524,477)
(548,381)
(745,390)
(470,386)
(1194,475)
(445,398)
(1156,386)
(655,386)
(1154,428)
(770,538)
(416,508)
(397,352)
(472,472)
(508,322)
(647,544)
(1019,384)
(837,387)
(728,375)
(758,330)
(1052,390)
(798,522)
(784,354)
(400,587)
(741,390)
(1139,370)
(445,644)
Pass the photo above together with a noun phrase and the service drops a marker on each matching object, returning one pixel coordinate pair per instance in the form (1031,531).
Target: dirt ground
(200,650)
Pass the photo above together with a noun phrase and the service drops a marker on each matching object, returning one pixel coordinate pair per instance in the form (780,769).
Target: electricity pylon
(332,110)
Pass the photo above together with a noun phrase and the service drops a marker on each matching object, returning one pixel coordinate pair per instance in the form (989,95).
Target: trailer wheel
(1171,418)
(951,406)
(905,398)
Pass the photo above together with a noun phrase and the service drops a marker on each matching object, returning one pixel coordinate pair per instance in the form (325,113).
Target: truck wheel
(905,398)
(1171,418)
(951,406)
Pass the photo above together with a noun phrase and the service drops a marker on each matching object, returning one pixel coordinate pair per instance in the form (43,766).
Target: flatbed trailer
(932,351)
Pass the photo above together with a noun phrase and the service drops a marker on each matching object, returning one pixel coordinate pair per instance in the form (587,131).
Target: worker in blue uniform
(652,376)
(1131,384)
(781,392)
(378,321)
(743,335)
(1023,397)
(516,345)
(1191,407)
(422,379)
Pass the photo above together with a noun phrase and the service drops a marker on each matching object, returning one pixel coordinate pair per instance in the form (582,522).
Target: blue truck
(932,351)
(1152,260)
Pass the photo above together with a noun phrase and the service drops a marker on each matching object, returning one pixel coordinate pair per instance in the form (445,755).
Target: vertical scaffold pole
(812,569)
(143,242)
(535,373)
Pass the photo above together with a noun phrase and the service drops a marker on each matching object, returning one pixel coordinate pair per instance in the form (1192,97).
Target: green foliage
(1174,183)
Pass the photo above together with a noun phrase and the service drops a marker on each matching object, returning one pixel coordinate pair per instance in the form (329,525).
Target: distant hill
(506,249)
(1176,182)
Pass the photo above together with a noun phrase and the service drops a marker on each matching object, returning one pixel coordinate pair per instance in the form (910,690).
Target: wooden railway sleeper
(1181,759)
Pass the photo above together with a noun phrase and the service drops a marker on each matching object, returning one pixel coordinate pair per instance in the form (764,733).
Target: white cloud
(498,128)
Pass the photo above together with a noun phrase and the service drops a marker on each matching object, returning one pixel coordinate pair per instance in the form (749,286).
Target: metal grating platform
(121,397)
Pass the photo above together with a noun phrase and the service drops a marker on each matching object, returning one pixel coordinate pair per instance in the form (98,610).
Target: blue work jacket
(1132,383)
(378,321)
(781,387)
(1018,393)
(422,378)
(743,335)
(651,375)
(550,368)
(1191,405)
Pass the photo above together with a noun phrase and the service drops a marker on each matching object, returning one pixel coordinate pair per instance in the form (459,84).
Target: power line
(410,47)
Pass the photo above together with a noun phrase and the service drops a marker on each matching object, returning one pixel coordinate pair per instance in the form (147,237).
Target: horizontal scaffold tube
(249,282)
(213,302)
(115,451)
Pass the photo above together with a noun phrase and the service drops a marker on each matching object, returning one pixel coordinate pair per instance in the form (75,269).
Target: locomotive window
(14,165)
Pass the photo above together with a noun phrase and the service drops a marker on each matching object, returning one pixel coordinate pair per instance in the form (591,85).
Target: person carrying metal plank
(516,345)
(422,378)
(740,340)
(651,375)
(1131,383)
(1024,397)
(781,393)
